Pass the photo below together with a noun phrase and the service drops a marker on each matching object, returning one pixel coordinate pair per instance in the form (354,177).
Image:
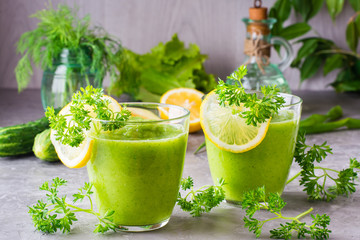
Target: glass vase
(66,76)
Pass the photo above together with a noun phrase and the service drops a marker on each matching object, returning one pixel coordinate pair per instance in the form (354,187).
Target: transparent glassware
(268,164)
(258,31)
(64,78)
(136,170)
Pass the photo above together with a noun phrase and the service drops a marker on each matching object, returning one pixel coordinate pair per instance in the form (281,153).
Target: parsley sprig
(257,199)
(55,213)
(71,131)
(258,110)
(315,178)
(201,200)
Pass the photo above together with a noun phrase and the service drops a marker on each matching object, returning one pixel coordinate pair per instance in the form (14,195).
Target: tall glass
(268,164)
(136,170)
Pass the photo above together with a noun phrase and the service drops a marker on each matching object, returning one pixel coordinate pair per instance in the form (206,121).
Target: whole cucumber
(19,139)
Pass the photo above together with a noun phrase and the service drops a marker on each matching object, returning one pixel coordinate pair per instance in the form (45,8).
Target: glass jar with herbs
(67,75)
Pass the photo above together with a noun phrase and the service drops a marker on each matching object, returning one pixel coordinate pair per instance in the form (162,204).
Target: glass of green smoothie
(268,164)
(136,169)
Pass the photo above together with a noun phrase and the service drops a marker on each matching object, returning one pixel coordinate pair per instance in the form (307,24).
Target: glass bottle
(258,42)
(64,78)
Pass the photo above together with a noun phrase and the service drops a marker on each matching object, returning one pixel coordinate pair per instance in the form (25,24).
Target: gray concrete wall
(215,25)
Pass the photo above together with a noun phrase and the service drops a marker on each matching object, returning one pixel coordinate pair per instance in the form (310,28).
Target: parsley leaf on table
(257,199)
(201,200)
(55,213)
(315,184)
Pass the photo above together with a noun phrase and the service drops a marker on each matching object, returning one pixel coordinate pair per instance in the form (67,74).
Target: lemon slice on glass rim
(228,131)
(77,157)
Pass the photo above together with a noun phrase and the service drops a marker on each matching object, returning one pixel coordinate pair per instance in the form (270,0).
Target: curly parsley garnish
(55,213)
(257,199)
(201,200)
(315,183)
(71,132)
(259,109)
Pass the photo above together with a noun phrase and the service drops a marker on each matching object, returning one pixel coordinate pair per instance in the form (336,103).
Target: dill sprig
(71,131)
(258,110)
(257,199)
(62,29)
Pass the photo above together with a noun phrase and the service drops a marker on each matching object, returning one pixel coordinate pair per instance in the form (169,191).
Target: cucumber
(43,148)
(19,139)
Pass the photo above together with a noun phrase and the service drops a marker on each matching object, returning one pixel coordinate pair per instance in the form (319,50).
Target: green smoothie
(136,171)
(267,164)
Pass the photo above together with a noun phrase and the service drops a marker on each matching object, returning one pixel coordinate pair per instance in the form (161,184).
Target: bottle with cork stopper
(257,50)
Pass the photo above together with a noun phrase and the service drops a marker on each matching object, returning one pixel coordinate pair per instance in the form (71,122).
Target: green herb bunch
(257,199)
(71,131)
(62,29)
(55,213)
(315,183)
(201,200)
(259,109)
(317,51)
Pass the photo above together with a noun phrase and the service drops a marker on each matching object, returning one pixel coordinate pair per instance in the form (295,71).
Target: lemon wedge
(77,157)
(228,131)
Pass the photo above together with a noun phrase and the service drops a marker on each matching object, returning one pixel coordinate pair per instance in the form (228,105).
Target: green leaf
(276,29)
(203,82)
(295,30)
(355,4)
(316,5)
(347,86)
(334,7)
(308,48)
(356,68)
(352,37)
(303,7)
(171,65)
(357,23)
(145,94)
(345,81)
(333,62)
(307,8)
(173,50)
(158,82)
(283,10)
(310,67)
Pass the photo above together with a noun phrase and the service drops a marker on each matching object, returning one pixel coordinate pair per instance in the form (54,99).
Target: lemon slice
(188,98)
(77,157)
(228,131)
(143,113)
(72,157)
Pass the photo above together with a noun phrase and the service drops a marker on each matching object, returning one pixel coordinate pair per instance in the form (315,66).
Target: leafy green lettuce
(171,65)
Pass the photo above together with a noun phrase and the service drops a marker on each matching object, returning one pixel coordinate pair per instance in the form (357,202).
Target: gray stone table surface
(20,178)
